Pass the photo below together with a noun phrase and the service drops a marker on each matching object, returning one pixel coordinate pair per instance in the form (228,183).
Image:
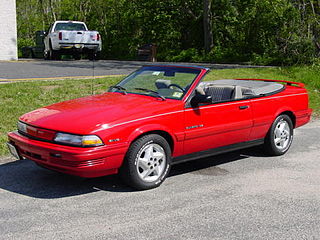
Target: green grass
(19,98)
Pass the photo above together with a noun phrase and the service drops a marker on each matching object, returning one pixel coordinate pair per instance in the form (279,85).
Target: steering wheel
(177,86)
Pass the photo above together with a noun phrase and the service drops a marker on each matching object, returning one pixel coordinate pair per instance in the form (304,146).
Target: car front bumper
(83,162)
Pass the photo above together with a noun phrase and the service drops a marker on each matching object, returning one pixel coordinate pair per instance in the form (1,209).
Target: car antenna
(93,76)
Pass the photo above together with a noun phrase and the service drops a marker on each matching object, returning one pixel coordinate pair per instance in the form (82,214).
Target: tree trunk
(52,9)
(207,25)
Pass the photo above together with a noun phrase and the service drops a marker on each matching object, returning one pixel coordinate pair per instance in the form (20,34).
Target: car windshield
(158,81)
(70,27)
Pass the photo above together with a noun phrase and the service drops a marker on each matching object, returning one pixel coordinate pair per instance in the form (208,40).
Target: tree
(262,31)
(207,25)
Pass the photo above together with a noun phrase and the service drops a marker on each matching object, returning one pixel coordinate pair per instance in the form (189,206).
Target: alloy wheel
(151,162)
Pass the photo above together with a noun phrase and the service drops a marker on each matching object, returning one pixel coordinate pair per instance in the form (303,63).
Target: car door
(217,124)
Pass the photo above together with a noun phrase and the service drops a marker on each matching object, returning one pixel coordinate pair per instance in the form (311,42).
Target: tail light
(60,35)
(98,37)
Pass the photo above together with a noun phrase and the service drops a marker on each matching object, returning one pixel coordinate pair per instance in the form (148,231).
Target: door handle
(243,107)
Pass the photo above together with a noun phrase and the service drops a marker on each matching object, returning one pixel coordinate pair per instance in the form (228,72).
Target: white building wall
(8,30)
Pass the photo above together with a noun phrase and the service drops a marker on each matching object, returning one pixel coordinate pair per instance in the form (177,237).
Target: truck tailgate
(89,37)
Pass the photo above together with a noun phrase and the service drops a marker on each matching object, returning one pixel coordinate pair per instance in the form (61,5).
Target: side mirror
(199,98)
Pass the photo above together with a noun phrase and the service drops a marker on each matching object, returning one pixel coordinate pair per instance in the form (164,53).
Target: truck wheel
(147,162)
(53,54)
(50,52)
(77,56)
(279,137)
(46,55)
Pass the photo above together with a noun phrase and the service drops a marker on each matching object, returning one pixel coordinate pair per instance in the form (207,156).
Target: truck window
(70,27)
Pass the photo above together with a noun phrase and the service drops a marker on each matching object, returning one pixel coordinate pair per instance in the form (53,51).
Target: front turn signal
(91,141)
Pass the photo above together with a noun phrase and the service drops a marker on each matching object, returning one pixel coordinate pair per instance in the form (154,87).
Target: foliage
(24,42)
(258,31)
(188,55)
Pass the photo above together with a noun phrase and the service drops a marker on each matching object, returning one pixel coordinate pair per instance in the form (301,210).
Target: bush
(24,42)
(298,51)
(184,56)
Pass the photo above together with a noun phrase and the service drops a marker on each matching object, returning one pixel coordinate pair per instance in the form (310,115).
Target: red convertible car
(158,116)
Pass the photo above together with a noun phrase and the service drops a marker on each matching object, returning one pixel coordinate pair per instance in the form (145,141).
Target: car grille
(30,154)
(86,163)
(61,162)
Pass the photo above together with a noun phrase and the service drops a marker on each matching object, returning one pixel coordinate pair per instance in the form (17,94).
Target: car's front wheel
(279,137)
(147,162)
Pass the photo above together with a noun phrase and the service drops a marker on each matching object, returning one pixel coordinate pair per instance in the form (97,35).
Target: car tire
(51,53)
(279,137)
(147,162)
(54,55)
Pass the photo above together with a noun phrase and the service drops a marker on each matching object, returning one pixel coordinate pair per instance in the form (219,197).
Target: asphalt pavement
(42,69)
(239,195)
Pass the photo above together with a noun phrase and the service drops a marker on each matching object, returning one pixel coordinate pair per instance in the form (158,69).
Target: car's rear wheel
(147,162)
(53,54)
(280,136)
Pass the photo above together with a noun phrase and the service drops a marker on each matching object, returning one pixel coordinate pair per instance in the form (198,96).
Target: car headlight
(22,127)
(78,140)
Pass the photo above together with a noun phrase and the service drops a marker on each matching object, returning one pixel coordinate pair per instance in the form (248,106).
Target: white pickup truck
(71,38)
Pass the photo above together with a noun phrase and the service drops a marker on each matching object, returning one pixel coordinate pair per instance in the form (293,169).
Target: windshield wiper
(151,91)
(119,88)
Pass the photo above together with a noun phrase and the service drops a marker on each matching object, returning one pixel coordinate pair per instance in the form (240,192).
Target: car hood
(88,114)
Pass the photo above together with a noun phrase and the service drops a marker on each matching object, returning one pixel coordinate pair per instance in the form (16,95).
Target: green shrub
(24,42)
(185,55)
